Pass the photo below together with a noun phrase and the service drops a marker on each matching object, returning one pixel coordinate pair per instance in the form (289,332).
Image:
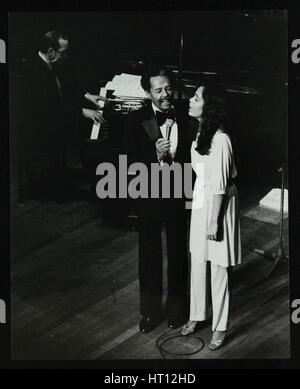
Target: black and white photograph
(149,186)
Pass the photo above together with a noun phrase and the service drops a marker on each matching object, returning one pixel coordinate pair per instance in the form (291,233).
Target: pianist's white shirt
(50,67)
(173,134)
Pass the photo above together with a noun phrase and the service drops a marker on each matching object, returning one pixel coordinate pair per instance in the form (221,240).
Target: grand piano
(244,52)
(256,124)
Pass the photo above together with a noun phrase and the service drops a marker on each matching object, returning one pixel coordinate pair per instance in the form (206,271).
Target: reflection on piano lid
(230,88)
(240,89)
(193,78)
(176,71)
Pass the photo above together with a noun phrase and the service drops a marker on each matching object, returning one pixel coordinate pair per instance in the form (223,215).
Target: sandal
(189,327)
(217,343)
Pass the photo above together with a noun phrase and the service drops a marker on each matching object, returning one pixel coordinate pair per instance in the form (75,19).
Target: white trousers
(219,292)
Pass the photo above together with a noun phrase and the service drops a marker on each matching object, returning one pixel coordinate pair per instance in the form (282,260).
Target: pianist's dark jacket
(48,114)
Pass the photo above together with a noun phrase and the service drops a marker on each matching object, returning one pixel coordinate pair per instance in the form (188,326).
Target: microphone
(169,124)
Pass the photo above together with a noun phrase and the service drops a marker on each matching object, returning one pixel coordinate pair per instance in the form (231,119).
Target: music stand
(280,254)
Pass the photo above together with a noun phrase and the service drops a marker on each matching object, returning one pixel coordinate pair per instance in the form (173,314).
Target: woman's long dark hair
(213,117)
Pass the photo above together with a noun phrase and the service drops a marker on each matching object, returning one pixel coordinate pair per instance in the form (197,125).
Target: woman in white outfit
(215,228)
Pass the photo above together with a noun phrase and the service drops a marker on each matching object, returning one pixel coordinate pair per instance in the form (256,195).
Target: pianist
(48,113)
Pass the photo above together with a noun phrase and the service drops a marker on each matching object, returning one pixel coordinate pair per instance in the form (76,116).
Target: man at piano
(158,134)
(49,110)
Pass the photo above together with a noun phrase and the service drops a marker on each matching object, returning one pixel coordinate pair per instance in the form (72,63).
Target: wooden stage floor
(75,288)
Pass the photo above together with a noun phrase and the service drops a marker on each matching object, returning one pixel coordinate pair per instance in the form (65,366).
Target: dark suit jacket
(142,135)
(46,115)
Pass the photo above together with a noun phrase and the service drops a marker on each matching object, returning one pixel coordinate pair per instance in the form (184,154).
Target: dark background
(213,40)
(246,52)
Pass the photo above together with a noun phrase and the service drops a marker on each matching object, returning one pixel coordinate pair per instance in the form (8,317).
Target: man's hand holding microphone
(163,145)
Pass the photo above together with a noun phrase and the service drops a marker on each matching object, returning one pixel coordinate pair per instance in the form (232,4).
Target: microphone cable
(163,339)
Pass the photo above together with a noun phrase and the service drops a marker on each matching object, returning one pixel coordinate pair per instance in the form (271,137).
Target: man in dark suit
(149,144)
(48,110)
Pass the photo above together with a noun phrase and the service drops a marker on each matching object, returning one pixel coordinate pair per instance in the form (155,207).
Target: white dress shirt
(50,67)
(173,134)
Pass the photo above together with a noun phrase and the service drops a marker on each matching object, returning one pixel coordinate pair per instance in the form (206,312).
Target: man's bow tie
(163,116)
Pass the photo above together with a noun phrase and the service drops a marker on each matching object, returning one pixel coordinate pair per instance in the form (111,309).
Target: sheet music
(127,85)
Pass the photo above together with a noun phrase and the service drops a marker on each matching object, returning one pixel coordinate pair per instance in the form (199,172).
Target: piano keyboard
(97,126)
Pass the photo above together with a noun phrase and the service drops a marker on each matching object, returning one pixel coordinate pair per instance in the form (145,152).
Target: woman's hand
(211,233)
(212,230)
